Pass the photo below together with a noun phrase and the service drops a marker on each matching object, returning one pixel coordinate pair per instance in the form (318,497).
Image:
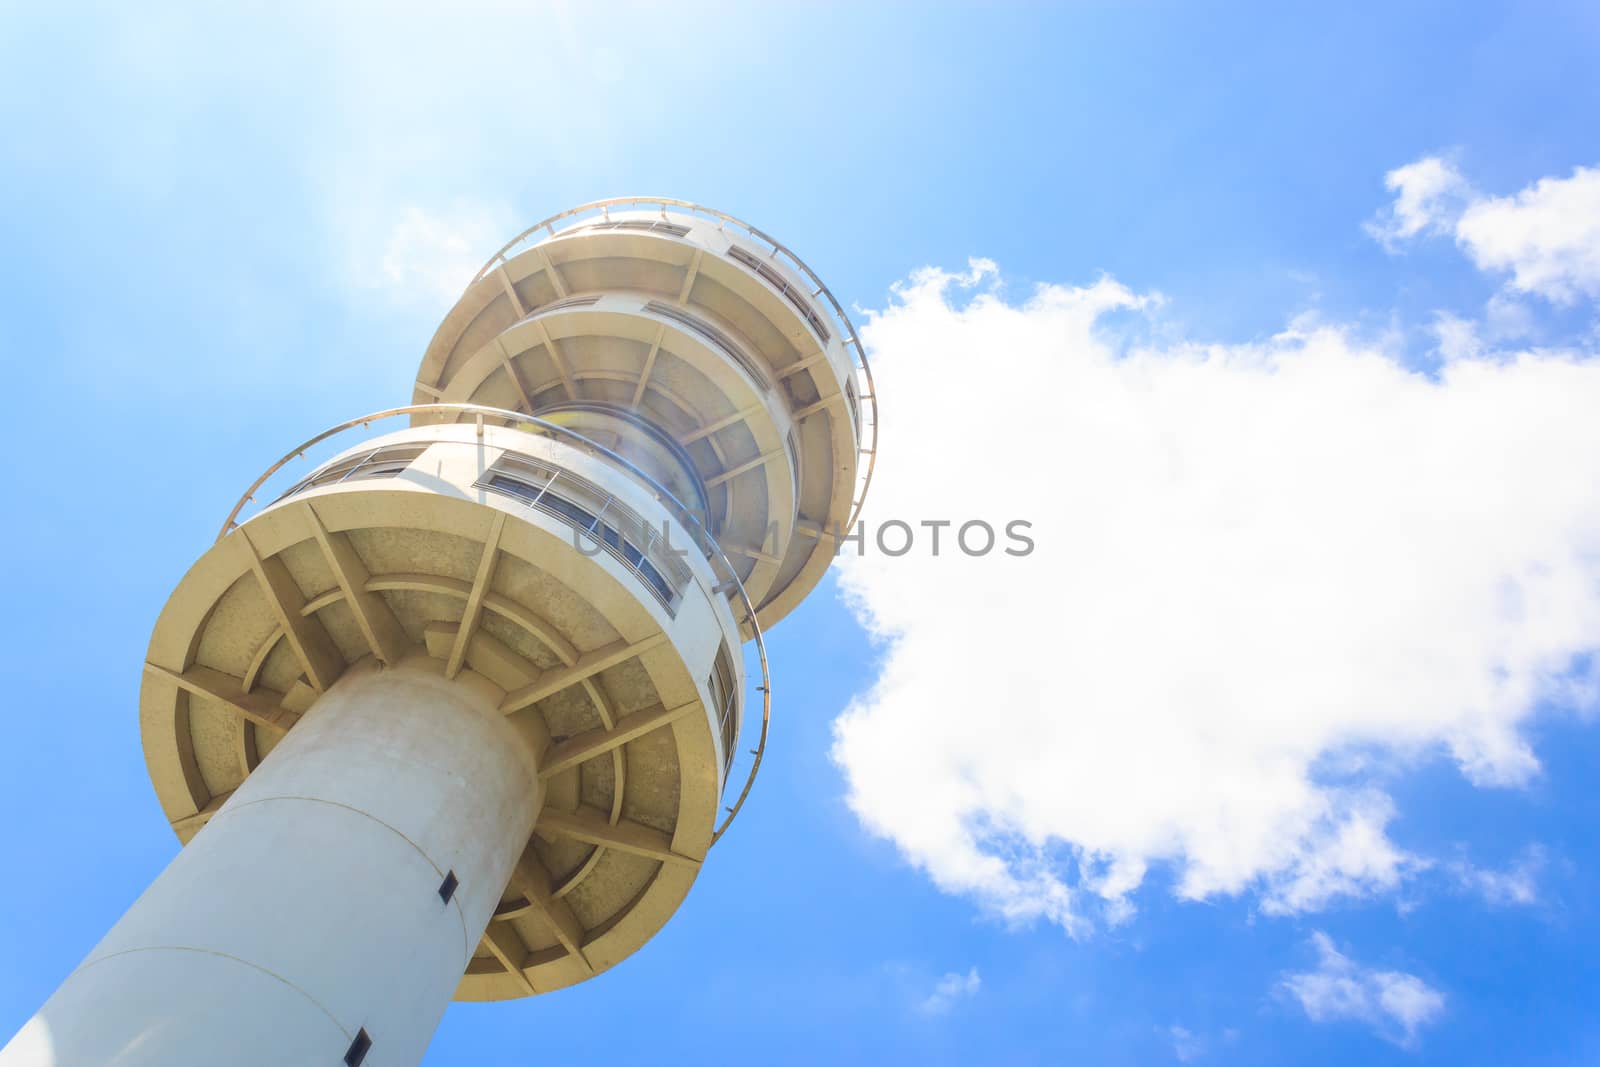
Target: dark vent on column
(447,888)
(358,1049)
(778,282)
(712,334)
(641,224)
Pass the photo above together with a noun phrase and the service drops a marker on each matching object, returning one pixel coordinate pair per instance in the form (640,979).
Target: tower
(455,714)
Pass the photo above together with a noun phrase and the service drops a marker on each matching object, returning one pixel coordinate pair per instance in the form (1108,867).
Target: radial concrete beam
(311,644)
(511,291)
(802,364)
(821,405)
(649,365)
(592,743)
(690,275)
(259,706)
(720,424)
(588,665)
(509,609)
(556,358)
(626,836)
(382,631)
(532,880)
(506,945)
(480,587)
(748,465)
(485,653)
(511,372)
(557,282)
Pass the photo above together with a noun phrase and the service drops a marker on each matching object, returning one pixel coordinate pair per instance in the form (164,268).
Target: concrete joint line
(84,966)
(455,903)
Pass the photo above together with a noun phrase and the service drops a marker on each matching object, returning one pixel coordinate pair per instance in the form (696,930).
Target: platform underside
(278,610)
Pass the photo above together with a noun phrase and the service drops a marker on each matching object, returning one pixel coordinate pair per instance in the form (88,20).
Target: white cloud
(951,988)
(1546,237)
(1430,195)
(1267,577)
(1395,1003)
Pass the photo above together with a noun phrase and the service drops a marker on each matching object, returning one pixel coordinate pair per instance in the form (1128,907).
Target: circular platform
(711,330)
(461,546)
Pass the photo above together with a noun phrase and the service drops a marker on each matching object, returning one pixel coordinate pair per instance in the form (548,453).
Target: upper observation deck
(696,346)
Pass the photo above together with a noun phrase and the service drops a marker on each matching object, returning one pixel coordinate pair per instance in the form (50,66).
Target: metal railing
(727,577)
(866,430)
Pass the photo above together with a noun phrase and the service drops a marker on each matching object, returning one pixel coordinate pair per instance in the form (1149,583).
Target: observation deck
(718,336)
(521,559)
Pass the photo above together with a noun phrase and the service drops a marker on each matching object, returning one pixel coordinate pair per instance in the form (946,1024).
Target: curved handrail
(851,338)
(660,438)
(690,520)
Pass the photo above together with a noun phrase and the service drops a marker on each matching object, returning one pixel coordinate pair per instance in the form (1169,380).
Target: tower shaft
(311,908)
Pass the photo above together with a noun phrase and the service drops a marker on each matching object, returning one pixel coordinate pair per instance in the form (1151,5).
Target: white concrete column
(309,908)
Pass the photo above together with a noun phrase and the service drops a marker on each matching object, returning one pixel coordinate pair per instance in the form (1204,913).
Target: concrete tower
(455,714)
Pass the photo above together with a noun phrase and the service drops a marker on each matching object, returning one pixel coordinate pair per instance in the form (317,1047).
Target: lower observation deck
(534,566)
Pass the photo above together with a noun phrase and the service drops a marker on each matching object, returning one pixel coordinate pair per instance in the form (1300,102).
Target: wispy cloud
(428,258)
(1187,1046)
(1395,1003)
(951,988)
(1514,885)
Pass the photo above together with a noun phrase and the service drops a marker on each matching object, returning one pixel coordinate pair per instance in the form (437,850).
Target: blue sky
(1334,805)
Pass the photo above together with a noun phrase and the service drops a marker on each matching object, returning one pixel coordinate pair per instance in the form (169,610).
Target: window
(725,698)
(378,463)
(570,302)
(641,224)
(622,536)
